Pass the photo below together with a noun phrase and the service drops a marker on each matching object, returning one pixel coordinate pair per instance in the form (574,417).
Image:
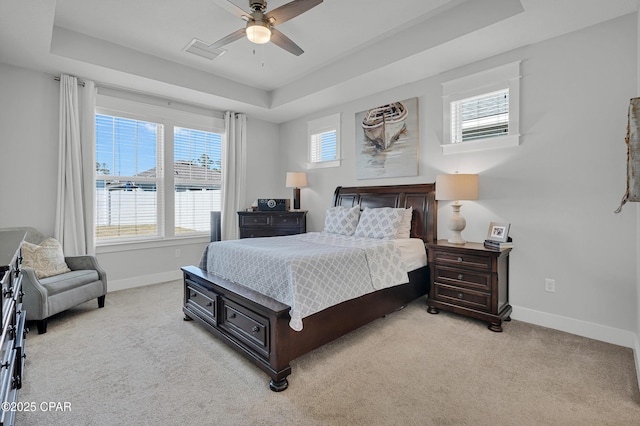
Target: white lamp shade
(457,187)
(258,33)
(296,179)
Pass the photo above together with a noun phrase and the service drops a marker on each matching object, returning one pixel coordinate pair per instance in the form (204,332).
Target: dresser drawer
(279,220)
(248,326)
(255,220)
(463,278)
(201,300)
(462,297)
(462,260)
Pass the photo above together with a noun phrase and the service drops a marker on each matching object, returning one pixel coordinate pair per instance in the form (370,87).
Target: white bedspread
(309,272)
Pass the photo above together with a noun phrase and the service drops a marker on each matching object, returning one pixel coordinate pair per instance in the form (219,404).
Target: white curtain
(234,160)
(76,165)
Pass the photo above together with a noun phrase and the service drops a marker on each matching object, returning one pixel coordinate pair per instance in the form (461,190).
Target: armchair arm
(35,295)
(87,262)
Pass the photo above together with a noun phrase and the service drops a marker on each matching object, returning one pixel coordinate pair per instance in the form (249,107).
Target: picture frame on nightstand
(498,232)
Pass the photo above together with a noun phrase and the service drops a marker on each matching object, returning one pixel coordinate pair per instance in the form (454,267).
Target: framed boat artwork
(387,140)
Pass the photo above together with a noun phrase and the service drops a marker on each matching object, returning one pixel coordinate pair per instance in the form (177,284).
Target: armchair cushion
(71,280)
(47,259)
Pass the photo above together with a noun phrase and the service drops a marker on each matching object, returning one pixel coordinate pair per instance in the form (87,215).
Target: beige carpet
(136,362)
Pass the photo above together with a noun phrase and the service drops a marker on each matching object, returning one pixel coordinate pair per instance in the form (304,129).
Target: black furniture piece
(13,338)
(272,223)
(470,280)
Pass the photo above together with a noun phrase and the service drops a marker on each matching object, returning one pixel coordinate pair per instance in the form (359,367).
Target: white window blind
(323,146)
(324,141)
(128,152)
(479,117)
(197,178)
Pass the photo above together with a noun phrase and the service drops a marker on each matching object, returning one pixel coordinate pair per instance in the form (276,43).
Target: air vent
(200,48)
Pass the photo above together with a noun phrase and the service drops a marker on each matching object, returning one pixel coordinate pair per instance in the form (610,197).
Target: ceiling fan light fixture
(258,32)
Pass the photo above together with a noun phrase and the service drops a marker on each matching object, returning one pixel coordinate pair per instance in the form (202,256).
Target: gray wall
(558,189)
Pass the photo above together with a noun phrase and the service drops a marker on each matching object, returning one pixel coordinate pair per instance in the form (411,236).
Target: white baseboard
(162,277)
(636,354)
(591,330)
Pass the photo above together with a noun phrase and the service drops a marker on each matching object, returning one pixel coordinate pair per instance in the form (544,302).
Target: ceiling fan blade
(285,42)
(232,8)
(291,10)
(228,39)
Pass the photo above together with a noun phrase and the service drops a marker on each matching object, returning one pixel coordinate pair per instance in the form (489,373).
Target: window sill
(120,246)
(481,145)
(323,164)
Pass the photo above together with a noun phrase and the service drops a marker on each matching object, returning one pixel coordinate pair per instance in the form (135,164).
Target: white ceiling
(352,48)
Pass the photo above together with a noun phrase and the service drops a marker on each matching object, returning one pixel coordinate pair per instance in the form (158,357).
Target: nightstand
(470,280)
(272,223)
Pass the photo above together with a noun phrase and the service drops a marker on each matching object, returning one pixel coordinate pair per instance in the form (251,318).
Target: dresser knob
(460,296)
(284,220)
(459,260)
(210,304)
(460,276)
(255,220)
(232,315)
(255,329)
(192,295)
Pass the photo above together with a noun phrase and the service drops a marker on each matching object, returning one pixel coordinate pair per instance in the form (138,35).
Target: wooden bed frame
(257,326)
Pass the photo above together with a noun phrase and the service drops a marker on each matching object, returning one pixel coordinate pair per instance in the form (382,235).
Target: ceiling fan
(260,23)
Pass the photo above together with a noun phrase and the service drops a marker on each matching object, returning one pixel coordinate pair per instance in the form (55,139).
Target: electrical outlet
(550,285)
(177,252)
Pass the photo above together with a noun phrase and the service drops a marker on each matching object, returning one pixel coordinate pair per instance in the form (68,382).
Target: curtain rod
(57,78)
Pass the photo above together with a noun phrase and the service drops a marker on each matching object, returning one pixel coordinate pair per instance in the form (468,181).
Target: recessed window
(481,110)
(158,171)
(324,142)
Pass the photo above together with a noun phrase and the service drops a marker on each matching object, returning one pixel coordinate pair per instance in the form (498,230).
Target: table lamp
(456,187)
(296,180)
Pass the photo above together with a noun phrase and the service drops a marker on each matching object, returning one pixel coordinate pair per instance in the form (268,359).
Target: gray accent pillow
(341,220)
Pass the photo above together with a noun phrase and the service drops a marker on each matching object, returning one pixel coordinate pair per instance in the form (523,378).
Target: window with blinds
(323,147)
(478,117)
(128,152)
(481,111)
(197,178)
(324,141)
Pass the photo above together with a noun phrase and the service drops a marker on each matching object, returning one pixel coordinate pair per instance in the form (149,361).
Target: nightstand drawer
(462,259)
(463,278)
(462,297)
(254,220)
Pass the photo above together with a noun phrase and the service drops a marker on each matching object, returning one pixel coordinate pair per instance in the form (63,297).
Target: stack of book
(497,245)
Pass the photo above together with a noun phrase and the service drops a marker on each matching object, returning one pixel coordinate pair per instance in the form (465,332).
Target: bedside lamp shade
(296,180)
(457,187)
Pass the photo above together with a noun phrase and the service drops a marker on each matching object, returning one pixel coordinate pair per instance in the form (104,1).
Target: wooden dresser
(470,280)
(273,223)
(13,338)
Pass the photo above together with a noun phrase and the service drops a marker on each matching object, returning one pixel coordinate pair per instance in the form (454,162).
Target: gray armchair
(48,296)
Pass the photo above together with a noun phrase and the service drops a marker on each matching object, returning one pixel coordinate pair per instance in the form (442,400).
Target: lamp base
(296,198)
(456,225)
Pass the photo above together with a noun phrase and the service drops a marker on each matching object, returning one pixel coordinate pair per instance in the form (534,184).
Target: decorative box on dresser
(13,338)
(470,280)
(272,223)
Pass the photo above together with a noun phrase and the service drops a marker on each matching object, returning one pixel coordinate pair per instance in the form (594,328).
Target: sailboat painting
(387,140)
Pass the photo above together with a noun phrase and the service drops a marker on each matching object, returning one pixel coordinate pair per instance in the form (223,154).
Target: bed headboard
(422,197)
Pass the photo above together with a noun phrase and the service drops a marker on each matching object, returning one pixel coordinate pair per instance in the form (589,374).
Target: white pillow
(405,226)
(341,220)
(382,222)
(46,259)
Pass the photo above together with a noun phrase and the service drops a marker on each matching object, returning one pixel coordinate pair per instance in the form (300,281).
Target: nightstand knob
(284,220)
(255,220)
(255,329)
(459,259)
(460,276)
(460,296)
